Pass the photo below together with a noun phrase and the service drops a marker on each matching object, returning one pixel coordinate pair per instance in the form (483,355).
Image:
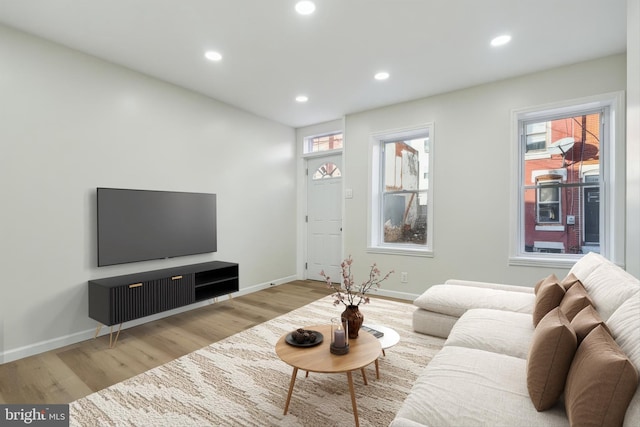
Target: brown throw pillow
(549,278)
(550,354)
(569,281)
(585,321)
(549,296)
(601,382)
(575,300)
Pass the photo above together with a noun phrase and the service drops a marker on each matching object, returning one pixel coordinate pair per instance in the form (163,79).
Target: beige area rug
(240,381)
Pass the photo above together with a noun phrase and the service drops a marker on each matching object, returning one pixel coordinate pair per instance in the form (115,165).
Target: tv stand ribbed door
(115,300)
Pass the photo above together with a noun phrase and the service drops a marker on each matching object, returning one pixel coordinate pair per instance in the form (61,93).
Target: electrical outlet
(404,277)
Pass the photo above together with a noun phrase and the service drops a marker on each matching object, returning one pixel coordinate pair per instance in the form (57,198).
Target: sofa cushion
(489,285)
(609,286)
(498,331)
(585,321)
(575,300)
(601,382)
(455,300)
(552,348)
(549,295)
(404,422)
(585,265)
(624,325)
(469,387)
(432,323)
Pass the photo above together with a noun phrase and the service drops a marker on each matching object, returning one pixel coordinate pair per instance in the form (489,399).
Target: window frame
(375,238)
(612,172)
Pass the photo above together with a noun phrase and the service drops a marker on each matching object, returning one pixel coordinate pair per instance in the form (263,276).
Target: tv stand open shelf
(115,300)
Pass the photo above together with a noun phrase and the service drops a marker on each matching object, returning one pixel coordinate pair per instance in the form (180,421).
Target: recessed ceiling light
(302,98)
(305,7)
(382,75)
(501,40)
(212,55)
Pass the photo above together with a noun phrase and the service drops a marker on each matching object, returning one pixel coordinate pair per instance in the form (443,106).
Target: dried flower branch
(348,294)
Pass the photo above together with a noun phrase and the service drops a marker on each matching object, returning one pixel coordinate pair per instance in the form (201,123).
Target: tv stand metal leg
(112,342)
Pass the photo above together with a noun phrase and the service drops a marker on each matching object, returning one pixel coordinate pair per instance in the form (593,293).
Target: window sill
(549,227)
(537,155)
(546,260)
(407,250)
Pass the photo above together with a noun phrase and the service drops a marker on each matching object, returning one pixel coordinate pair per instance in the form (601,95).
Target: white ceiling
(271,54)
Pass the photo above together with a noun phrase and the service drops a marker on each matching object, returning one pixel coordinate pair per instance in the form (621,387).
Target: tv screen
(141,225)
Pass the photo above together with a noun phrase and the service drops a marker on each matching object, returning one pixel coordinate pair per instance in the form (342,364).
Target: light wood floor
(69,373)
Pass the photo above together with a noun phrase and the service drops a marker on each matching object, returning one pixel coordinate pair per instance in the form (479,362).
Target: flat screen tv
(141,225)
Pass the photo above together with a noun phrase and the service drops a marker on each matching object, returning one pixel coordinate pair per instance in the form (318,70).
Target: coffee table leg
(377,370)
(364,376)
(353,398)
(293,381)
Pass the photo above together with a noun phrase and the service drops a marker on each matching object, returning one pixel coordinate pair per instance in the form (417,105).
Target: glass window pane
(327,170)
(406,165)
(536,136)
(549,194)
(405,218)
(549,213)
(560,217)
(324,143)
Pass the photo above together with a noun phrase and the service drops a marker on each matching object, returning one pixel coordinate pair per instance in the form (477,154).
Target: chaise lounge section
(565,353)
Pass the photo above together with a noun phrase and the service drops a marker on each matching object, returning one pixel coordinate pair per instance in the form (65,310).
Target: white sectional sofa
(578,366)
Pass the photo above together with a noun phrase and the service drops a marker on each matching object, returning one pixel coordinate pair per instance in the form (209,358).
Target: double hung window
(400,220)
(565,166)
(548,204)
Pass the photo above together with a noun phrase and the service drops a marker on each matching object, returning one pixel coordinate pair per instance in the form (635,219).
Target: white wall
(471,173)
(71,123)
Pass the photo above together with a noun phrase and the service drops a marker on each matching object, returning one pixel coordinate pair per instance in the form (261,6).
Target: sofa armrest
(499,286)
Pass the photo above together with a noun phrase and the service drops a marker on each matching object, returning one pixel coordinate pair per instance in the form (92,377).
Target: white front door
(324,213)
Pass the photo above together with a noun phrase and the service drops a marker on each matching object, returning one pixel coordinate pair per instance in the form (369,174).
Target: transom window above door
(320,143)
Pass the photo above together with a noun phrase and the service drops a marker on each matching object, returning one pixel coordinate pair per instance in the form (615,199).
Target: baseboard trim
(64,340)
(394,294)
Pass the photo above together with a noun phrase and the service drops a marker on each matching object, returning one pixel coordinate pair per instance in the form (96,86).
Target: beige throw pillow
(550,354)
(569,281)
(601,382)
(549,278)
(575,300)
(548,297)
(585,321)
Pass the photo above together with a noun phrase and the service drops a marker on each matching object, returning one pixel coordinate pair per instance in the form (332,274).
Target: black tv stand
(115,300)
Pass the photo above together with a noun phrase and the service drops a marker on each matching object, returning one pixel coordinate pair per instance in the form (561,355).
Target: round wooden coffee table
(363,351)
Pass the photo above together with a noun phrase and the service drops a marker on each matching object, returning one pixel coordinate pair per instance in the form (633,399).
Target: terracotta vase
(352,316)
